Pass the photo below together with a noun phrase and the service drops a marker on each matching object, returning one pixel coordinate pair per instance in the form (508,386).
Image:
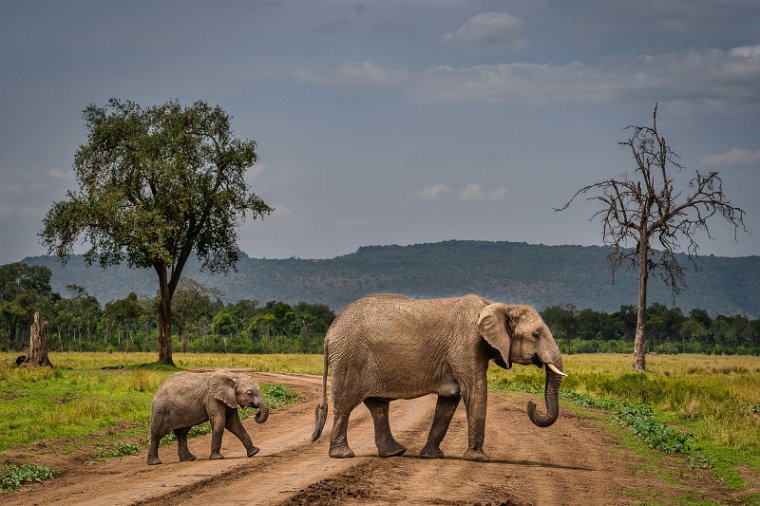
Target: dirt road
(573,462)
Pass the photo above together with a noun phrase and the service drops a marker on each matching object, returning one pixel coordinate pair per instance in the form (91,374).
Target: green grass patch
(278,395)
(12,476)
(117,449)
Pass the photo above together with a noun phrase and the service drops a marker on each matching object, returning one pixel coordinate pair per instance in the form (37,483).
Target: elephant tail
(320,414)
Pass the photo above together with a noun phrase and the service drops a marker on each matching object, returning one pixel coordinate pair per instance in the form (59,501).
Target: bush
(15,475)
(118,449)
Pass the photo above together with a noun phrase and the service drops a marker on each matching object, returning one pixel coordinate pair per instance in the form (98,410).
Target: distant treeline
(668,331)
(203,323)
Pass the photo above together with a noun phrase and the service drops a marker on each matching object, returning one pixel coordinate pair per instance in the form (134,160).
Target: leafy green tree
(701,316)
(79,316)
(123,316)
(155,185)
(23,290)
(193,303)
(562,320)
(692,329)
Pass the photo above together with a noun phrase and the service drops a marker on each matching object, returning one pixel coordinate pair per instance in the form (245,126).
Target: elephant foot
(341,452)
(476,455)
(153,460)
(215,456)
(253,451)
(186,457)
(430,452)
(392,450)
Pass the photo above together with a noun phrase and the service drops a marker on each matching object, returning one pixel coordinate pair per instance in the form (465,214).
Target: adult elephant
(386,347)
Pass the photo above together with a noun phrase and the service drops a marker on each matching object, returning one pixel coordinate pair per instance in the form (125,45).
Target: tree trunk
(183,338)
(38,343)
(639,342)
(165,331)
(164,319)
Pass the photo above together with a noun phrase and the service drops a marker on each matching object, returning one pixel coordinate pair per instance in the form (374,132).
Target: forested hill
(503,271)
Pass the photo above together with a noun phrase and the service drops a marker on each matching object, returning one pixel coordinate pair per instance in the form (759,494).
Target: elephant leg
(476,401)
(339,436)
(386,445)
(444,411)
(236,427)
(155,440)
(218,423)
(184,452)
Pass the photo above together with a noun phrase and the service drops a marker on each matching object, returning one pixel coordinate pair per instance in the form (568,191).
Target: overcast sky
(394,121)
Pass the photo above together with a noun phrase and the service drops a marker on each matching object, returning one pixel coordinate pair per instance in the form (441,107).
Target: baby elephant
(186,399)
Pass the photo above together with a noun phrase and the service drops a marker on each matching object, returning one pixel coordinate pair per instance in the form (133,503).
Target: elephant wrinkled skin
(386,347)
(186,399)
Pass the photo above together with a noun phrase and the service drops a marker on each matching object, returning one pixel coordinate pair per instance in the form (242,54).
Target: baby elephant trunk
(263,413)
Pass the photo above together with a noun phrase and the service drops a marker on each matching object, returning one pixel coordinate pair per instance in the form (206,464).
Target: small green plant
(640,419)
(278,395)
(118,449)
(15,475)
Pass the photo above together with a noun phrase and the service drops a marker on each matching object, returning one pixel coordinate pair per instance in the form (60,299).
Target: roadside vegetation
(703,407)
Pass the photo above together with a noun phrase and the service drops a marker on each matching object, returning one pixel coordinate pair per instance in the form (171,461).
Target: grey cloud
(712,75)
(734,157)
(364,73)
(471,192)
(710,80)
(489,28)
(433,192)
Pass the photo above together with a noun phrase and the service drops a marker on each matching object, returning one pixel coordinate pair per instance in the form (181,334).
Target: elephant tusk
(554,368)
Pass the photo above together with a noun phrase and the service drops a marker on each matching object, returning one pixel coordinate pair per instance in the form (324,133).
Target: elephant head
(519,335)
(233,389)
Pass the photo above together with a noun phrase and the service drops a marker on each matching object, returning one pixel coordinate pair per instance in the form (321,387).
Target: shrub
(15,475)
(118,449)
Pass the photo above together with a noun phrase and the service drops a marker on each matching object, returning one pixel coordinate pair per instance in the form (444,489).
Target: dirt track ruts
(572,462)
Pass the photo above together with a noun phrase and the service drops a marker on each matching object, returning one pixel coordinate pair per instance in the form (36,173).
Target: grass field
(716,399)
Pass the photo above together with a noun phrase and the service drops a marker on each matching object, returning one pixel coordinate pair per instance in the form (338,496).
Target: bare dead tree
(38,343)
(647,222)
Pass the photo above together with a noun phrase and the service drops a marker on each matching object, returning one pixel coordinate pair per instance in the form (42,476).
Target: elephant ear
(492,326)
(221,386)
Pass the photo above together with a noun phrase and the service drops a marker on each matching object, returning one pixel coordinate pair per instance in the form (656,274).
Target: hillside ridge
(500,270)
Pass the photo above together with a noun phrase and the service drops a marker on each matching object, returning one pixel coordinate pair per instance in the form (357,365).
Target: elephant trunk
(263,413)
(551,395)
